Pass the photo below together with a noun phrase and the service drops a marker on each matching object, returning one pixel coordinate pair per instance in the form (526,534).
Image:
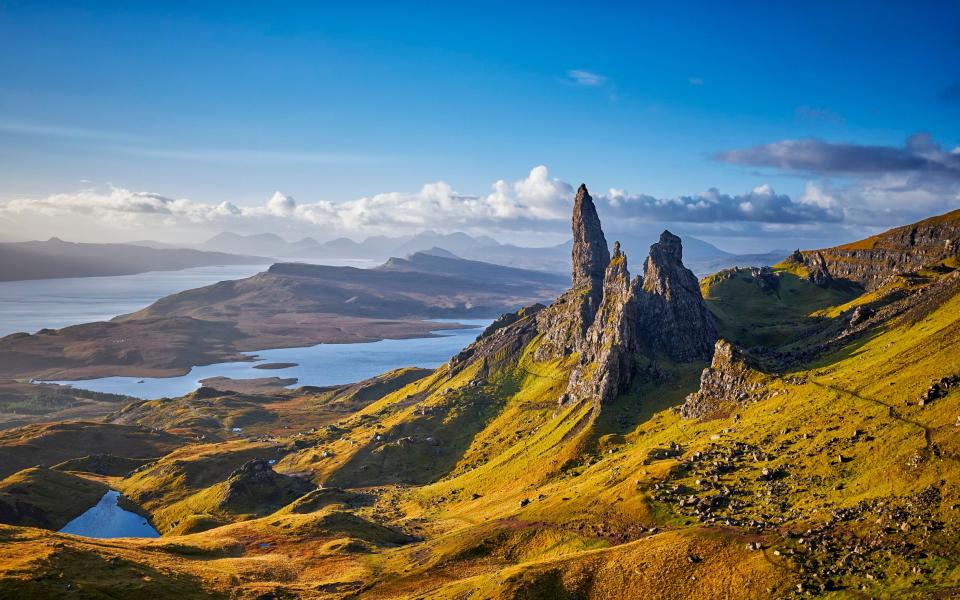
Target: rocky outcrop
(256,488)
(765,278)
(938,389)
(673,317)
(505,337)
(608,361)
(818,272)
(607,319)
(873,261)
(565,323)
(728,382)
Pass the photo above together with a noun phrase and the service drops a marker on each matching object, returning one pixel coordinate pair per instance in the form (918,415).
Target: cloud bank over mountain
(847,185)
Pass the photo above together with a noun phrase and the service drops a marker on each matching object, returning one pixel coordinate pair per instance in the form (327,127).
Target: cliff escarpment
(872,261)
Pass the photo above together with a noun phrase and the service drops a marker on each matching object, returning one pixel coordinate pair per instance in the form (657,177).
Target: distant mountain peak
(438,251)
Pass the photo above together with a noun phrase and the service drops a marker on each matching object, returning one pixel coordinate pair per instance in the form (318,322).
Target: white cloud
(761,205)
(281,205)
(437,205)
(536,205)
(586,78)
(695,81)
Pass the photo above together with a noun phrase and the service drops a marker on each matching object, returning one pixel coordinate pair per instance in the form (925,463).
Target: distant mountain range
(374,247)
(702,257)
(55,258)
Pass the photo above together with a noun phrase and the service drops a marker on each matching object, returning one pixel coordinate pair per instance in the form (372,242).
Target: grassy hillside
(52,443)
(41,497)
(835,476)
(784,311)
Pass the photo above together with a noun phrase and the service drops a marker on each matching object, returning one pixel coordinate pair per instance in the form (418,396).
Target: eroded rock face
(901,250)
(608,361)
(565,323)
(728,382)
(673,317)
(590,253)
(507,336)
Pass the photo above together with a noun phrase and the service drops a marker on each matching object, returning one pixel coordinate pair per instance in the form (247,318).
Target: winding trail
(929,444)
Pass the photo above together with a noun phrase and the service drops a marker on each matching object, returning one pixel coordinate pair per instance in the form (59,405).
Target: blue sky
(229,102)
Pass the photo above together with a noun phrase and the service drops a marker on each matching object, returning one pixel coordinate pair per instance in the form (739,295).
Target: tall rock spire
(590,253)
(565,323)
(606,321)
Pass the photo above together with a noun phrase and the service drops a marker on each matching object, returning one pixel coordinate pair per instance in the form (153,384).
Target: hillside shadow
(651,392)
(426,447)
(842,351)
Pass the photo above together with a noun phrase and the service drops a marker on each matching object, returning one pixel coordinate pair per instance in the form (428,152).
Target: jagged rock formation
(506,336)
(608,362)
(565,323)
(872,261)
(673,318)
(729,381)
(607,320)
(765,278)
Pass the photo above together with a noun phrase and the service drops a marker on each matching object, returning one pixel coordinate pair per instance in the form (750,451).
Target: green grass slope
(473,482)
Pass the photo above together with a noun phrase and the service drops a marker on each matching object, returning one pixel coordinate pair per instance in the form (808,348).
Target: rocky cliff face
(872,261)
(505,337)
(728,382)
(608,360)
(673,318)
